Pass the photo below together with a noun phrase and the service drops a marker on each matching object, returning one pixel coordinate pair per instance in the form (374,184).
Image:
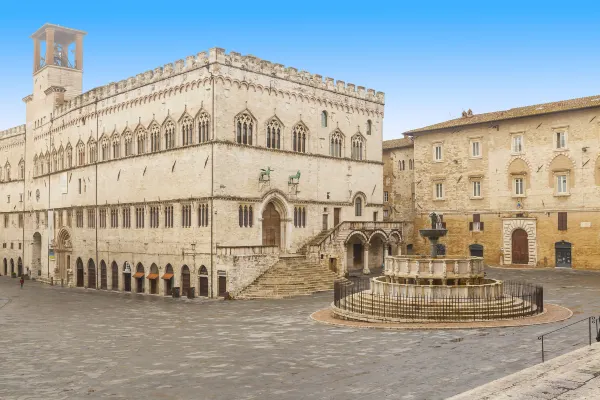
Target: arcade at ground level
(88,343)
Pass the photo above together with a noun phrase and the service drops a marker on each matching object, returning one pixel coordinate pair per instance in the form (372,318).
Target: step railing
(591,322)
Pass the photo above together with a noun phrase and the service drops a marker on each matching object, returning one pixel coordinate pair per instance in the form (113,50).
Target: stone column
(79,52)
(49,46)
(36,54)
(366,269)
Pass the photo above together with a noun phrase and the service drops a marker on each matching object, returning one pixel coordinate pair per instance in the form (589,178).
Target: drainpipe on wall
(212,187)
(96,184)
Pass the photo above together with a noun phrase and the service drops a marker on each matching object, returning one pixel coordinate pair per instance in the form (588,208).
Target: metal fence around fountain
(518,300)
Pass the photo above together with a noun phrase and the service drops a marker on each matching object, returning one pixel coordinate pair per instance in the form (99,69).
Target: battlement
(17,130)
(218,56)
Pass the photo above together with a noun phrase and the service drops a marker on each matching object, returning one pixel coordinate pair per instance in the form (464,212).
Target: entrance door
(336,216)
(325,222)
(271,226)
(563,254)
(79,273)
(222,285)
(357,249)
(20,267)
(91,274)
(115,276)
(204,286)
(520,247)
(103,276)
(185,280)
(127,282)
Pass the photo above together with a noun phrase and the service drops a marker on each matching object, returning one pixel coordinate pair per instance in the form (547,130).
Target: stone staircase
(292,275)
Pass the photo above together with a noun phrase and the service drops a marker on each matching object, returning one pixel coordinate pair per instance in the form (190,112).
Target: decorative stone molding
(529,225)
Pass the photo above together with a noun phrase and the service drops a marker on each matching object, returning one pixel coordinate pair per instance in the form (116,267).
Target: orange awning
(152,276)
(138,275)
(167,276)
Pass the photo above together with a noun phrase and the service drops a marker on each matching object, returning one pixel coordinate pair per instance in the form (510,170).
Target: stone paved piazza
(76,343)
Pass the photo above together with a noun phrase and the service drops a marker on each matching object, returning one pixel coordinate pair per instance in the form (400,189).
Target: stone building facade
(398,184)
(520,186)
(198,174)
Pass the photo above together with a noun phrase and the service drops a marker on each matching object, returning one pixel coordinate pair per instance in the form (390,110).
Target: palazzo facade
(196,174)
(520,186)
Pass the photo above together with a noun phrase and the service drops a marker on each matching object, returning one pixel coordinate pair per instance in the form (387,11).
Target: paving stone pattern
(76,343)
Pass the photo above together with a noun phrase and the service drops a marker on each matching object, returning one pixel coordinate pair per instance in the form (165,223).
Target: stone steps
(292,275)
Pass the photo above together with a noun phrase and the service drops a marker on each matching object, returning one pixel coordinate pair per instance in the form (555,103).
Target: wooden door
(325,222)
(115,277)
(153,286)
(203,286)
(520,247)
(103,277)
(271,226)
(168,287)
(79,274)
(185,281)
(127,282)
(91,276)
(222,285)
(336,216)
(563,254)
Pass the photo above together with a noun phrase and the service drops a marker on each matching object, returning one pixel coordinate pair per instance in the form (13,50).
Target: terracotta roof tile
(397,143)
(537,109)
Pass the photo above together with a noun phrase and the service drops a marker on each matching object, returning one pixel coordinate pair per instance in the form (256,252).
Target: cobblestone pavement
(74,343)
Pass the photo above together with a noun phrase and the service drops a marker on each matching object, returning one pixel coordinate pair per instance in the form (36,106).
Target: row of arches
(8,267)
(142,279)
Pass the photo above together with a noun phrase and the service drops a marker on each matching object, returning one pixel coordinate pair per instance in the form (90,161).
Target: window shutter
(476,218)
(470,227)
(481,226)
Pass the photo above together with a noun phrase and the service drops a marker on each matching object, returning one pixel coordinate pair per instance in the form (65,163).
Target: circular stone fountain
(435,289)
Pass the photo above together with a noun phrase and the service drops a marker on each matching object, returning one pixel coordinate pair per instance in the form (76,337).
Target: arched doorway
(476,250)
(139,278)
(563,254)
(63,253)
(520,247)
(36,253)
(377,248)
(355,253)
(271,226)
(168,279)
(203,282)
(126,277)
(79,281)
(19,267)
(12,266)
(114,275)
(91,274)
(103,276)
(5,267)
(153,279)
(185,280)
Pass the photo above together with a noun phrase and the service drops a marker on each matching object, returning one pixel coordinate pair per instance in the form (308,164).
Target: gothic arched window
(299,136)
(154,138)
(336,144)
(47,162)
(21,169)
(358,147)
(274,129)
(54,160)
(116,145)
(203,127)
(105,150)
(129,142)
(61,158)
(7,168)
(35,165)
(187,131)
(169,129)
(358,207)
(93,150)
(244,125)
(69,152)
(80,154)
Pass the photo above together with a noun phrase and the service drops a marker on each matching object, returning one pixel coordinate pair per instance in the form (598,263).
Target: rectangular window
(139,217)
(79,218)
(437,154)
(126,217)
(562,221)
(561,184)
(186,216)
(517,143)
(79,185)
(168,216)
(385,213)
(20,220)
(91,218)
(439,190)
(154,215)
(385,196)
(476,149)
(6,220)
(476,189)
(476,225)
(561,140)
(69,217)
(60,218)
(519,187)
(102,222)
(203,215)
(114,218)
(300,217)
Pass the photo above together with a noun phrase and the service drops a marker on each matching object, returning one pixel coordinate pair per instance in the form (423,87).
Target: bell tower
(57,64)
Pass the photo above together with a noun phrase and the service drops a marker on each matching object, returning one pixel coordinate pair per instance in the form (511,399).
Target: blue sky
(432,59)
